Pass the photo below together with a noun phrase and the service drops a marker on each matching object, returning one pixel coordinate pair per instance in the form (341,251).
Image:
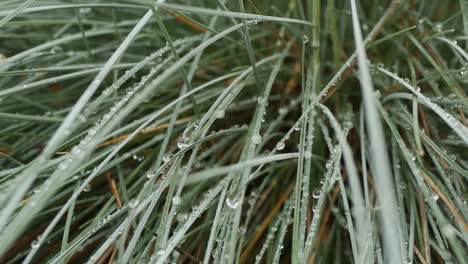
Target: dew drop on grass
(316,209)
(182,217)
(435,197)
(232,202)
(280,145)
(138,157)
(282,110)
(87,188)
(337,176)
(256,139)
(304,39)
(219,113)
(167,158)
(316,193)
(402,186)
(176,200)
(181,143)
(35,243)
(84,11)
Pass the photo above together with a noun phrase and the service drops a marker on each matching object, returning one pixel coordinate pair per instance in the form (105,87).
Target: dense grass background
(142,131)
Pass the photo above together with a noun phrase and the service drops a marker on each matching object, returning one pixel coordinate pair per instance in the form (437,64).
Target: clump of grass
(233,131)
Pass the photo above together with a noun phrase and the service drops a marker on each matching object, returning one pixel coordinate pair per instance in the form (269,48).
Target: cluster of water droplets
(251,23)
(138,157)
(449,101)
(78,150)
(270,236)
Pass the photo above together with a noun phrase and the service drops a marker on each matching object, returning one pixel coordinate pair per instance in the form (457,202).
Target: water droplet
(219,113)
(402,186)
(282,110)
(177,200)
(138,157)
(435,197)
(182,217)
(316,193)
(36,243)
(181,143)
(337,176)
(83,11)
(167,157)
(316,209)
(256,139)
(232,202)
(92,132)
(87,188)
(305,39)
(280,145)
(150,175)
